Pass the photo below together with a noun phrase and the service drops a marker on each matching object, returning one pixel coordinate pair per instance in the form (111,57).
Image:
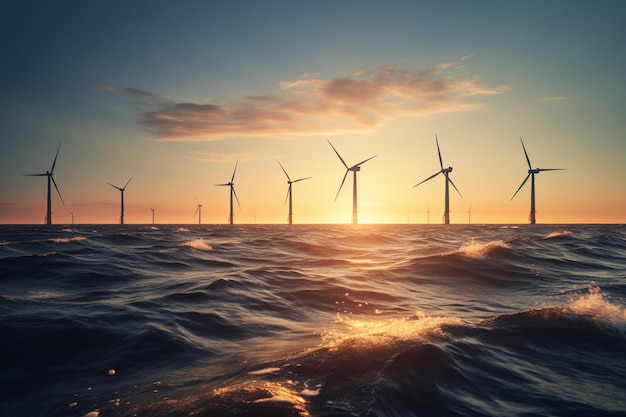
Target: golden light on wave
(258,392)
(381,331)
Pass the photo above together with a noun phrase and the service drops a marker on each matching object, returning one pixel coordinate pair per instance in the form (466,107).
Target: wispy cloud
(220,157)
(553,99)
(360,101)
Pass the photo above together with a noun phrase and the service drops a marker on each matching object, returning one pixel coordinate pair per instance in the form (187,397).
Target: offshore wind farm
(353,168)
(429,288)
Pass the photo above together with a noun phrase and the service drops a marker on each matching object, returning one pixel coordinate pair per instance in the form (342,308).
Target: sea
(312,320)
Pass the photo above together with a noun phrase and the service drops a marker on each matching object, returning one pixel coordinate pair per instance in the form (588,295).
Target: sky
(176,94)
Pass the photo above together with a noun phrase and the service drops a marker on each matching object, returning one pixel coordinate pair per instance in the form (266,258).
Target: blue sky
(175,93)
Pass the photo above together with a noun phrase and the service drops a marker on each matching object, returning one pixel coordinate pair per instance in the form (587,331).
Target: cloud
(553,99)
(356,102)
(220,157)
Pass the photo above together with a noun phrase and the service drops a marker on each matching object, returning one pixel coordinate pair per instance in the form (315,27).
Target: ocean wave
(555,234)
(67,239)
(591,317)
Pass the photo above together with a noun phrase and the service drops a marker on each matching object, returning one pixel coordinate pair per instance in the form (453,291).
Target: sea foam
(199,244)
(481,249)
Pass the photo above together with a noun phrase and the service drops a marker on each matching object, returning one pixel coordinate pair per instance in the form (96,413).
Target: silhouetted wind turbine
(289,195)
(122,189)
(72,214)
(50,176)
(531,173)
(446,172)
(198,211)
(427,214)
(153,213)
(354,168)
(231,184)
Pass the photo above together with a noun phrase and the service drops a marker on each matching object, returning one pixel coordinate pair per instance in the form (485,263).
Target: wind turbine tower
(354,168)
(153,209)
(50,175)
(289,194)
(231,184)
(446,172)
(122,189)
(72,214)
(531,173)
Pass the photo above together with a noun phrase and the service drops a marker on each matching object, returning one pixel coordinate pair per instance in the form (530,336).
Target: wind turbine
(446,172)
(427,214)
(469,215)
(72,214)
(354,168)
(50,176)
(289,192)
(198,211)
(231,184)
(122,189)
(153,213)
(531,173)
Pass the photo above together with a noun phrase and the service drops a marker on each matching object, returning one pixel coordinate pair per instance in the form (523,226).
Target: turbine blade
(197,201)
(362,162)
(525,153)
(439,152)
(234,171)
(457,190)
(520,187)
(235,193)
(114,186)
(342,181)
(340,158)
(55,186)
(221,185)
(281,165)
(550,169)
(55,159)
(196,212)
(35,175)
(429,178)
(288,192)
(301,179)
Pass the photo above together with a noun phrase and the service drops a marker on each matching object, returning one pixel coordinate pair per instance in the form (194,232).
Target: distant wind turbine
(469,215)
(198,211)
(153,209)
(446,172)
(531,173)
(354,168)
(289,195)
(50,176)
(72,214)
(427,214)
(231,184)
(122,189)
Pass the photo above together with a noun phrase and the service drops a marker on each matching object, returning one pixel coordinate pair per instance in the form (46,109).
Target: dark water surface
(391,320)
